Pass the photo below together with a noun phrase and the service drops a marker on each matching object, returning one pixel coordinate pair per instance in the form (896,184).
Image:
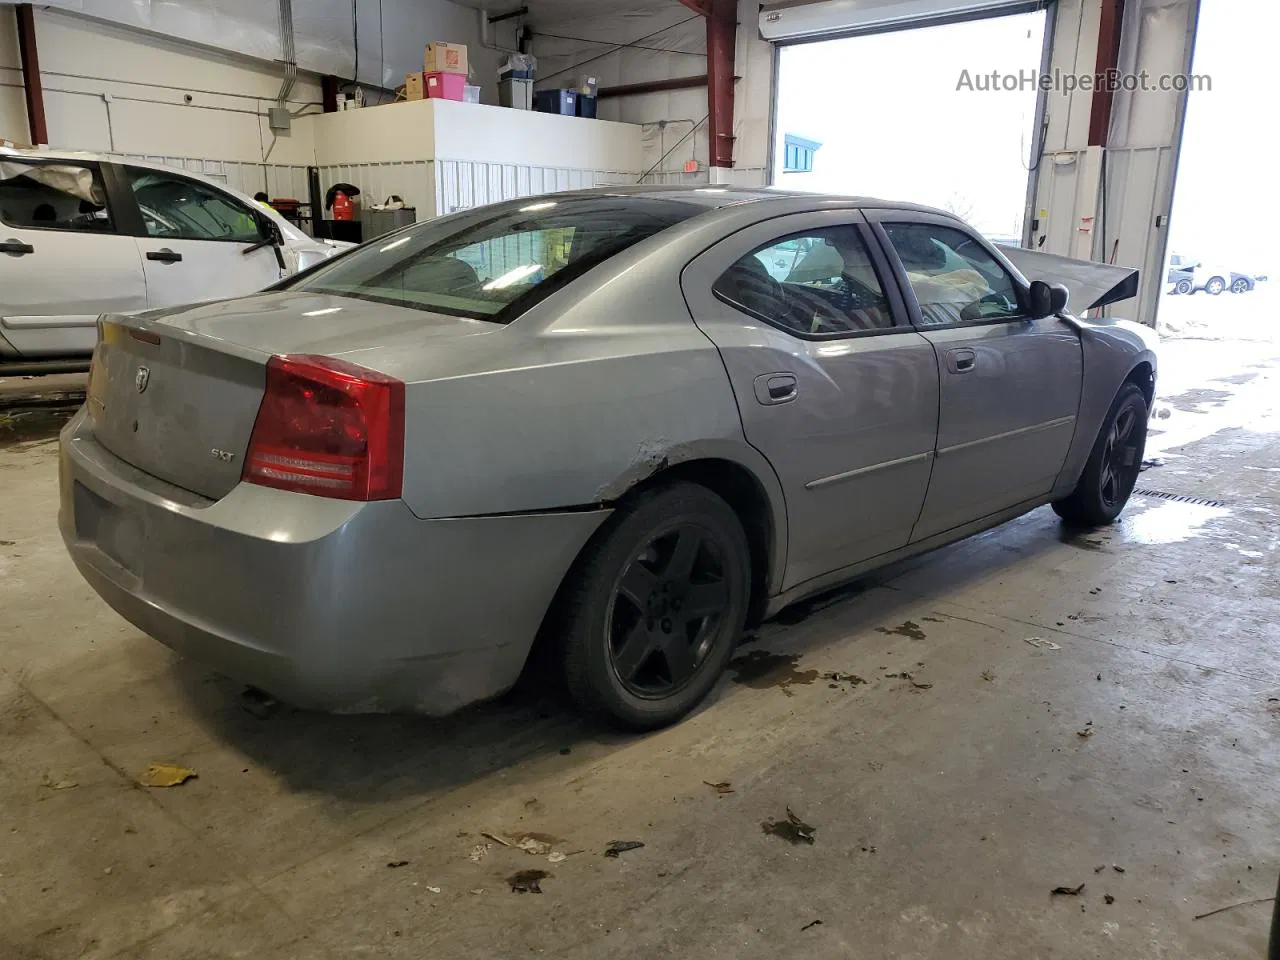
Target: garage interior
(1032,743)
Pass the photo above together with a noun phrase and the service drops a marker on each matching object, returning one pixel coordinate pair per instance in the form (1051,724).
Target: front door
(62,262)
(1010,384)
(834,387)
(199,243)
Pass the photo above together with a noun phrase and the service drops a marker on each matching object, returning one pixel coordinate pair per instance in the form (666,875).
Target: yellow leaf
(166,775)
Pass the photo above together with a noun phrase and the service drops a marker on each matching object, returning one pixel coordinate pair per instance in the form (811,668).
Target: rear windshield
(496,267)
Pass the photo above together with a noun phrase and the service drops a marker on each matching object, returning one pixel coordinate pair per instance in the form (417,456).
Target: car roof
(716,196)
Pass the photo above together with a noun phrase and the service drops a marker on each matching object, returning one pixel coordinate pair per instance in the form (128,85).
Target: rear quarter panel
(597,388)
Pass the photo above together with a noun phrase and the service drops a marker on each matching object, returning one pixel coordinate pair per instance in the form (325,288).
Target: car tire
(635,650)
(1184,287)
(1240,286)
(1111,472)
(1215,286)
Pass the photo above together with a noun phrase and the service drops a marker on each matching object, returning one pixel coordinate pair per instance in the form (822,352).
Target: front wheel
(1184,287)
(1112,469)
(1215,286)
(1240,286)
(656,606)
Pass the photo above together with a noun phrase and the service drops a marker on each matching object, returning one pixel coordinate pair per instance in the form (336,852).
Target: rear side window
(819,283)
(495,268)
(954,278)
(182,209)
(53,196)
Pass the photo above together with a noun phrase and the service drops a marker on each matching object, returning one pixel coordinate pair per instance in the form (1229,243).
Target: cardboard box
(445,58)
(446,86)
(414,86)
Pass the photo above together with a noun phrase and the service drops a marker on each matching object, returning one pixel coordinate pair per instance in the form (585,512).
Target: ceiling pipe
(651,86)
(288,51)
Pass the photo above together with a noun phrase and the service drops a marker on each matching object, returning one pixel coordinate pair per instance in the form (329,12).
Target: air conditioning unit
(784,20)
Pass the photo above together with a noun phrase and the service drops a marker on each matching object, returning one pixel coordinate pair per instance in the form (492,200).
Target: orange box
(445,58)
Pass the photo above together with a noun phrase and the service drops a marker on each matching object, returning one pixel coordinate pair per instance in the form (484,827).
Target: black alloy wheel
(651,613)
(1111,472)
(1240,286)
(665,610)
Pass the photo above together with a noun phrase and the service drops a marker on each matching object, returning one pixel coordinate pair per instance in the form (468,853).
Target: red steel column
(31,86)
(1108,59)
(722,35)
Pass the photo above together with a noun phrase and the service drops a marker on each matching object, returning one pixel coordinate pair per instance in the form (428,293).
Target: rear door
(63,260)
(198,243)
(1010,384)
(834,387)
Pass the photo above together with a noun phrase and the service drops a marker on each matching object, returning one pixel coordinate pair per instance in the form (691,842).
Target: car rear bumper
(328,604)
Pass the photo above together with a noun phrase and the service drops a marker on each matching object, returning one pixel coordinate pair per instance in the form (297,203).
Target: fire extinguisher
(340,201)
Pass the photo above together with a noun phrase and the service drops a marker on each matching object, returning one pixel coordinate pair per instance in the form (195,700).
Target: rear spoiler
(1091,284)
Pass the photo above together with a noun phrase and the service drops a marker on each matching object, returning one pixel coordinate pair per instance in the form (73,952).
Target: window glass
(494,268)
(955,280)
(183,209)
(820,282)
(53,196)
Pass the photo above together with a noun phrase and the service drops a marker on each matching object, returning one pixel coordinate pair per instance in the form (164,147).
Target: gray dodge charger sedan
(619,424)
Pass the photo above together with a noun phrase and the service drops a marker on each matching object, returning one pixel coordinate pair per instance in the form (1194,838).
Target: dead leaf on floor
(723,787)
(921,686)
(1067,891)
(617,847)
(50,783)
(527,881)
(396,864)
(1117,868)
(988,675)
(793,829)
(166,775)
(1086,732)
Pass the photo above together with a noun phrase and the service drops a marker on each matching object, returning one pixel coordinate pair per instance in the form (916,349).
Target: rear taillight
(329,428)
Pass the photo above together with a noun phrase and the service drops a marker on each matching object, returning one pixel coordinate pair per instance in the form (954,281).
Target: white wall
(148,79)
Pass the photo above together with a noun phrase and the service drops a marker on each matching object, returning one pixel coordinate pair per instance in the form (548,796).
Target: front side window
(954,278)
(180,209)
(813,284)
(53,196)
(495,268)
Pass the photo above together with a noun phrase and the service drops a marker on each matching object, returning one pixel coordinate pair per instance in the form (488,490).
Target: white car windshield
(495,268)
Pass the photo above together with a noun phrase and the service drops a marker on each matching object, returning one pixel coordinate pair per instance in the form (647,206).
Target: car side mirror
(1047,300)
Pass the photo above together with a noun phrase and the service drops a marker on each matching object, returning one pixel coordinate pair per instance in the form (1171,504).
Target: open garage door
(914,113)
(784,21)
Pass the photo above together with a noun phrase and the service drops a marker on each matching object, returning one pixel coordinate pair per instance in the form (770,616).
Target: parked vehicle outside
(83,234)
(1187,275)
(606,422)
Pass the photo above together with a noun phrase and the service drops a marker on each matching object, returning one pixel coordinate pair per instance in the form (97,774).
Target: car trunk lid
(176,393)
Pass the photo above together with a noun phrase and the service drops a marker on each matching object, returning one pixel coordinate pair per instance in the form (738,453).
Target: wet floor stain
(793,830)
(908,628)
(31,426)
(1074,538)
(1193,401)
(1170,523)
(761,670)
(527,881)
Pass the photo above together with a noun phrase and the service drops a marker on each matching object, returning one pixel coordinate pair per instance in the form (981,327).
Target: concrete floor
(946,806)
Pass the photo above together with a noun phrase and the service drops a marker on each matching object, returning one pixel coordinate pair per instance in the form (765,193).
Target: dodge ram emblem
(141,379)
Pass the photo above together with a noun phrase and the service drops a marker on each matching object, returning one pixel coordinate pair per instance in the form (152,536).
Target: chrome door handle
(961,360)
(774,388)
